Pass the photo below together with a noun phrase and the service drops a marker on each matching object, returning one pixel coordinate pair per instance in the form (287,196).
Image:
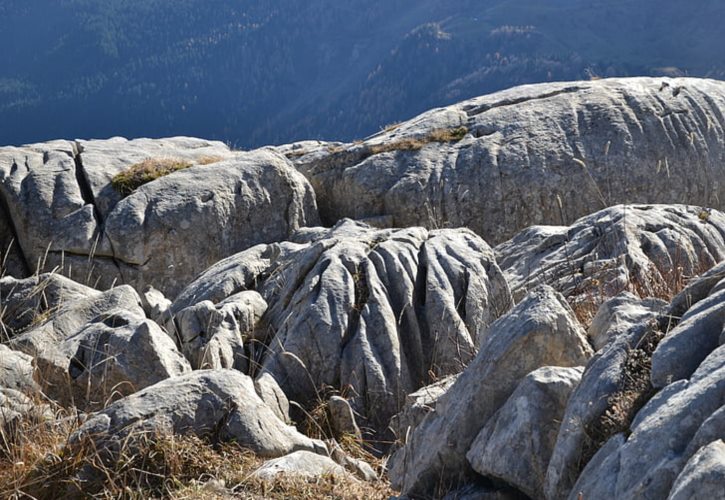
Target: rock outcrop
(535,154)
(540,331)
(61,210)
(374,311)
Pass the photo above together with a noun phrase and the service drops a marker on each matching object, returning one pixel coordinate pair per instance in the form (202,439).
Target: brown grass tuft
(151,169)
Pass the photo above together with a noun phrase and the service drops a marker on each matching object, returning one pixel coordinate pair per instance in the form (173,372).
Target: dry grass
(415,144)
(35,463)
(153,168)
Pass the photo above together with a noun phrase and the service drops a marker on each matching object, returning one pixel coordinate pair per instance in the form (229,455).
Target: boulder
(540,331)
(703,477)
(217,404)
(270,392)
(664,436)
(516,443)
(373,313)
(16,407)
(619,314)
(300,464)
(61,208)
(698,332)
(649,250)
(536,154)
(342,417)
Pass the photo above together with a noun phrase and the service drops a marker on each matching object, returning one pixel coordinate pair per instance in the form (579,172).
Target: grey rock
(365,310)
(342,417)
(703,478)
(516,443)
(64,213)
(648,462)
(417,405)
(644,249)
(620,313)
(483,491)
(220,404)
(271,393)
(15,407)
(360,468)
(30,300)
(697,333)
(540,331)
(585,145)
(16,371)
(214,336)
(155,305)
(300,464)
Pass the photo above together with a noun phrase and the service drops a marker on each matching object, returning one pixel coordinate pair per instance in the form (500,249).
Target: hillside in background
(254,73)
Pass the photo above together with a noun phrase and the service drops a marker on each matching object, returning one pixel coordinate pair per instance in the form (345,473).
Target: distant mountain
(252,73)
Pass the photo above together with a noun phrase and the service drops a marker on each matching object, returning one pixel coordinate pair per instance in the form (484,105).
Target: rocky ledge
(518,296)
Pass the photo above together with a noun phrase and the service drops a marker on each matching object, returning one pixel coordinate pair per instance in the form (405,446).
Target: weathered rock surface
(540,331)
(619,314)
(417,405)
(703,478)
(16,370)
(665,434)
(372,310)
(220,404)
(15,406)
(584,145)
(698,332)
(646,249)
(61,208)
(516,443)
(300,464)
(342,417)
(214,335)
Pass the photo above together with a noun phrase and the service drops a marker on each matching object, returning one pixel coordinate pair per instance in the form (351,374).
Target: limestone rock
(665,434)
(515,445)
(619,314)
(271,393)
(529,149)
(697,333)
(540,331)
(221,404)
(342,417)
(370,310)
(645,249)
(16,370)
(703,477)
(417,405)
(155,305)
(300,464)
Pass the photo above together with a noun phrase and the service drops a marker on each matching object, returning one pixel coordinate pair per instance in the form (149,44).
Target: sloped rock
(619,314)
(16,406)
(372,310)
(540,331)
(647,462)
(220,404)
(300,464)
(342,417)
(646,249)
(271,393)
(214,336)
(64,213)
(698,332)
(516,443)
(16,370)
(704,475)
(27,301)
(417,405)
(155,305)
(532,155)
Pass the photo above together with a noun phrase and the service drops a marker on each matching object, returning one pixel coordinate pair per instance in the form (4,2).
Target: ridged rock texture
(373,312)
(535,154)
(59,209)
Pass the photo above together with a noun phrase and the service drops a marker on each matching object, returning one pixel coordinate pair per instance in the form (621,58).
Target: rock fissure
(512,102)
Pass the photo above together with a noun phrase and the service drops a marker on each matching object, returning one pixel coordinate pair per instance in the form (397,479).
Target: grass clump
(416,143)
(150,169)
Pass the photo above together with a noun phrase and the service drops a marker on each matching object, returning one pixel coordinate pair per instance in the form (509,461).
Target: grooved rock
(221,404)
(586,145)
(515,445)
(59,206)
(698,332)
(646,249)
(703,478)
(665,434)
(619,314)
(540,331)
(372,310)
(417,405)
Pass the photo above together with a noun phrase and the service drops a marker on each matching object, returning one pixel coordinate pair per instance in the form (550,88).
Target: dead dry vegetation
(150,169)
